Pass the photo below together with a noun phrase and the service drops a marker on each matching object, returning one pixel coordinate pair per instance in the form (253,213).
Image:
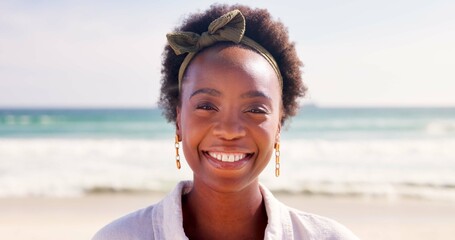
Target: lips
(228,157)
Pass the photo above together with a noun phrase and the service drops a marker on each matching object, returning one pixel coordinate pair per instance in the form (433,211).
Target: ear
(178,128)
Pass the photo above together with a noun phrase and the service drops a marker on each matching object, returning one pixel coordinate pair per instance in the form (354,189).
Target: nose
(229,127)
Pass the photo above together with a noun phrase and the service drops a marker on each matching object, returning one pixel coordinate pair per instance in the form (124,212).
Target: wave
(362,190)
(440,128)
(375,168)
(371,190)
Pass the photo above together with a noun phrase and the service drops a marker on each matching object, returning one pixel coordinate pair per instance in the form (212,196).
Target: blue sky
(108,53)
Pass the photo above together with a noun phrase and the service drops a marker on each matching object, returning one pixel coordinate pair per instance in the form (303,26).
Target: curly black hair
(262,28)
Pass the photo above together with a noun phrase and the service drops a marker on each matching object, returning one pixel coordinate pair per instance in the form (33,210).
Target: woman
(230,80)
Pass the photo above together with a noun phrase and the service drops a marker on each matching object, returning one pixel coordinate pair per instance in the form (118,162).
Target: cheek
(272,125)
(191,138)
(189,127)
(266,135)
(194,129)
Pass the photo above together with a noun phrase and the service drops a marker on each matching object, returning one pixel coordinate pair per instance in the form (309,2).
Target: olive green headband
(229,27)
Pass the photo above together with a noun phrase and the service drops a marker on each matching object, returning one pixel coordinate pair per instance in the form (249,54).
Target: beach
(384,173)
(80,217)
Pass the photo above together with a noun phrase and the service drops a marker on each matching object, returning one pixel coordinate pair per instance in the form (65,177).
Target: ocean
(362,152)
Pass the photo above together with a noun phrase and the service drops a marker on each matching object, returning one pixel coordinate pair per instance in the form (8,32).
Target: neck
(209,214)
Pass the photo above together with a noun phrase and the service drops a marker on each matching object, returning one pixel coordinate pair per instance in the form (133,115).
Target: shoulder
(136,225)
(317,227)
(162,220)
(296,224)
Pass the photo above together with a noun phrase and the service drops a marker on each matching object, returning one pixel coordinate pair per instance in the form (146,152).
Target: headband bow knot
(228,28)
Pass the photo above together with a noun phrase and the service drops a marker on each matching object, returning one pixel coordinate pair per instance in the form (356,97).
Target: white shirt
(164,221)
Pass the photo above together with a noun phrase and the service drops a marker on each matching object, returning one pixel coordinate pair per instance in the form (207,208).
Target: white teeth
(227,157)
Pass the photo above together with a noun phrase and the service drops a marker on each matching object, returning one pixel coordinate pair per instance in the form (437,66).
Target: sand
(81,217)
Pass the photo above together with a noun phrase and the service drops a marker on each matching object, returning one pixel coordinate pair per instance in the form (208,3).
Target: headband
(228,28)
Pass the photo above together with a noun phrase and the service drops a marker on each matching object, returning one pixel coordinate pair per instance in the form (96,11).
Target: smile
(228,157)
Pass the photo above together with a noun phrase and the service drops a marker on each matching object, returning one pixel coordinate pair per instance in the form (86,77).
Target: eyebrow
(254,94)
(216,93)
(209,91)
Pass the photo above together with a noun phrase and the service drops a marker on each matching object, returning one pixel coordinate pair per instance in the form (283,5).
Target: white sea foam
(440,128)
(391,168)
(386,168)
(61,167)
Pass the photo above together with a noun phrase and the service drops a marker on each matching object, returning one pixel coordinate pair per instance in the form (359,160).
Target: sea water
(365,152)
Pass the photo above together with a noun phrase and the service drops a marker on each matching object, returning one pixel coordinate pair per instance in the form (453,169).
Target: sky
(108,53)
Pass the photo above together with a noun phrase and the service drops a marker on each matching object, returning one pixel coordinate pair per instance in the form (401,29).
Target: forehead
(229,63)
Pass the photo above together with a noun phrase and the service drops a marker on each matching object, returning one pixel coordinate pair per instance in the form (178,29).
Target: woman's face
(229,118)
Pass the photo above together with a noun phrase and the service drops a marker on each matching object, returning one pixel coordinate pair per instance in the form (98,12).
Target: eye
(206,107)
(258,110)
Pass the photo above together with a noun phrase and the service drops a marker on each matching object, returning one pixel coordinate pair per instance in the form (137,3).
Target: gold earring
(277,159)
(177,156)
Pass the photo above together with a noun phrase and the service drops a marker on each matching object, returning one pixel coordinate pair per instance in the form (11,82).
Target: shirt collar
(278,225)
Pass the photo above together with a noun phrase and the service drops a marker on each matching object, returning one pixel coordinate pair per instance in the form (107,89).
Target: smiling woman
(228,96)
(242,117)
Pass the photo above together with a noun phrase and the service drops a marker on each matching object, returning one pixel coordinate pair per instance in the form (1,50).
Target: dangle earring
(177,156)
(277,159)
